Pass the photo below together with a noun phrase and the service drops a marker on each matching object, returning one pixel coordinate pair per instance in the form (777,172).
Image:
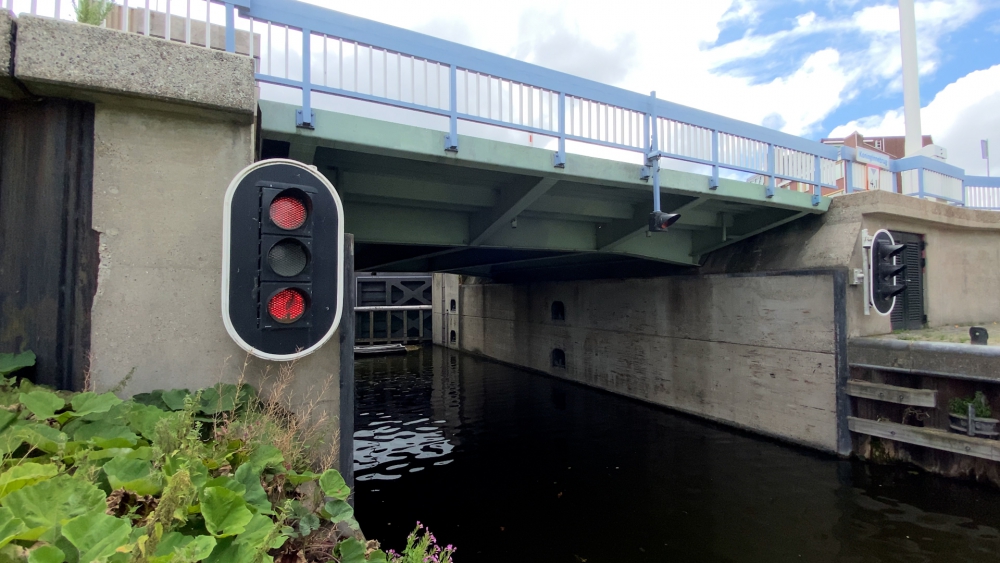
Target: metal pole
(560,157)
(451,139)
(654,162)
(714,182)
(231,28)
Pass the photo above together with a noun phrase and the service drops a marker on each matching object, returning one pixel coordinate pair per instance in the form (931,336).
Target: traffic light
(659,221)
(283,259)
(886,272)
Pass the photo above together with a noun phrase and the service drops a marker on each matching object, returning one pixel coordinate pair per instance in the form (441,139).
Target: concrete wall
(962,274)
(447,310)
(173,125)
(758,352)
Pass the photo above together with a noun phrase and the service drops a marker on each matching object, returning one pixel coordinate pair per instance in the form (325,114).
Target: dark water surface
(514,466)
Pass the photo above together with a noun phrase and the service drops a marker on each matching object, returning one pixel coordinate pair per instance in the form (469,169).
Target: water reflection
(515,466)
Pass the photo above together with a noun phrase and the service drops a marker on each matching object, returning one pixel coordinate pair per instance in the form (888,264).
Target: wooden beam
(927,437)
(892,393)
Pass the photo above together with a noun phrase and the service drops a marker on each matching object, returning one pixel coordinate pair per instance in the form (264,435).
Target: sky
(814,69)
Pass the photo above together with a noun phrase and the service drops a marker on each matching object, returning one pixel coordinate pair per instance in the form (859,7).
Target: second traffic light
(886,272)
(659,221)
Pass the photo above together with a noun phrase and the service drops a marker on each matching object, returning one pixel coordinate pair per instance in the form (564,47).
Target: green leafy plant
(93,12)
(217,475)
(981,406)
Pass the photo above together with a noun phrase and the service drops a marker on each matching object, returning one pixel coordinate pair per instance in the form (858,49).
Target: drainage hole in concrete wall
(558,311)
(454,337)
(454,306)
(558,358)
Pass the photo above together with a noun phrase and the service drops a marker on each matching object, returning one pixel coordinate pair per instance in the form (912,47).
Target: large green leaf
(174,398)
(338,511)
(36,434)
(265,456)
(178,548)
(6,417)
(106,434)
(46,554)
(96,535)
(10,526)
(228,550)
(23,475)
(42,403)
(297,479)
(143,418)
(46,504)
(254,492)
(257,531)
(90,403)
(134,475)
(225,512)
(10,363)
(333,484)
(351,551)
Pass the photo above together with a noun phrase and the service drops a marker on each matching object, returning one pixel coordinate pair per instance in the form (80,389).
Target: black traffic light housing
(283,259)
(659,221)
(886,275)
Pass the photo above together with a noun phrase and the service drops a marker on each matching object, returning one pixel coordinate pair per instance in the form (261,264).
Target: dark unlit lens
(287,258)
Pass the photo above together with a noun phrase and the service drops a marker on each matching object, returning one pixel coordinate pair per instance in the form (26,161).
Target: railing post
(230,27)
(965,201)
(848,176)
(653,158)
(920,183)
(713,183)
(769,191)
(559,159)
(818,189)
(451,139)
(305,117)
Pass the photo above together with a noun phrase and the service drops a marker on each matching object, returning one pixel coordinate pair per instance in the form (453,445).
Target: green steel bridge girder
(497,205)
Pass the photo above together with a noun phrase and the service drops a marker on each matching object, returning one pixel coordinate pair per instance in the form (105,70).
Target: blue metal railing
(329,52)
(559,105)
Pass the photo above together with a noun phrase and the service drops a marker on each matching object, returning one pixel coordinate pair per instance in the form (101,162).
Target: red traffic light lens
(288,212)
(287,306)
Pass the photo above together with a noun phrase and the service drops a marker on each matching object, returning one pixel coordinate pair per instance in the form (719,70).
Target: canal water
(510,465)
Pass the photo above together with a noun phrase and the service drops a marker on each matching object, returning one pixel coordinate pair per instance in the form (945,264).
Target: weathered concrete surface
(159,181)
(446,310)
(7,29)
(930,358)
(68,59)
(962,275)
(754,352)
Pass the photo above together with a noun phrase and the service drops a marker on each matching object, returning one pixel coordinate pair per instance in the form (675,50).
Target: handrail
(558,105)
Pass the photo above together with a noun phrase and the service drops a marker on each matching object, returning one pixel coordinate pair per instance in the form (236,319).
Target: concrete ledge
(945,359)
(56,57)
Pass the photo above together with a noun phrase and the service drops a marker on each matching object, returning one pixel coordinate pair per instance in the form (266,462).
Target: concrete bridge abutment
(164,128)
(758,336)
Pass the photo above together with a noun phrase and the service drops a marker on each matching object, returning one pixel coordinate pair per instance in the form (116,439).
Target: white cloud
(958,117)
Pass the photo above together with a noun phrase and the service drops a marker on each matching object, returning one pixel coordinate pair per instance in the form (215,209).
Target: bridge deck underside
(501,210)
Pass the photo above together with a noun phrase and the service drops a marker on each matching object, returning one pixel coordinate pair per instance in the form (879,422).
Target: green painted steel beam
(373,136)
(513,200)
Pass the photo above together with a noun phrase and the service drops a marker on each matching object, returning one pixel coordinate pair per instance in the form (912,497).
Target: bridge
(453,159)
